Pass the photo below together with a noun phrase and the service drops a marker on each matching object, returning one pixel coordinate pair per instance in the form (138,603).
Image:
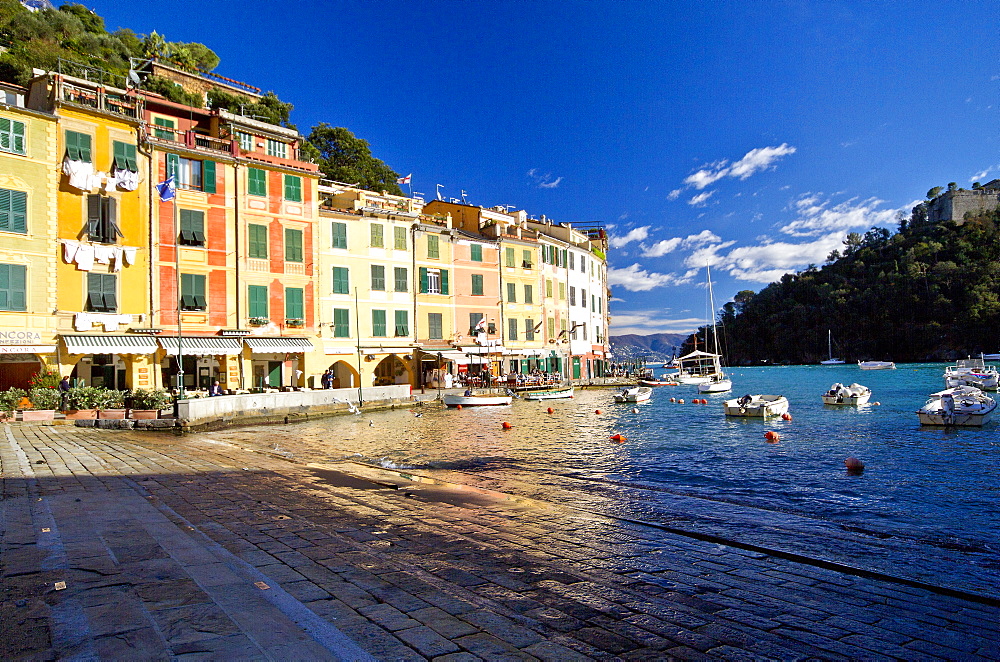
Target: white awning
(460,358)
(278,345)
(27,349)
(202,345)
(110,344)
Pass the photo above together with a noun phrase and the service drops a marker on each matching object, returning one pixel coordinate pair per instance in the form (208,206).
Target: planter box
(144,413)
(38,415)
(80,414)
(106,414)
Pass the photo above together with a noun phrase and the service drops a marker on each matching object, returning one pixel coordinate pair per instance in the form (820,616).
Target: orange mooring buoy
(681,401)
(854,465)
(458,406)
(673,399)
(772,436)
(550,410)
(506,425)
(786,416)
(618,437)
(597,411)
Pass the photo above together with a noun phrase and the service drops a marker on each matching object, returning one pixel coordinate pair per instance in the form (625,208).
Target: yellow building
(27,228)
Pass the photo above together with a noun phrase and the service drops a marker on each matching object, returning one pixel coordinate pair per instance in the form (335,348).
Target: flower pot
(38,414)
(144,413)
(80,414)
(111,413)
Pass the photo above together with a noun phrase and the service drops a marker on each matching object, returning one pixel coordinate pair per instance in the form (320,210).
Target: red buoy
(551,410)
(458,406)
(506,425)
(673,399)
(618,437)
(597,411)
(854,465)
(786,416)
(772,437)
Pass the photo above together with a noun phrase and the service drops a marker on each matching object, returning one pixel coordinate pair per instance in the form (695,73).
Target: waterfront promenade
(144,545)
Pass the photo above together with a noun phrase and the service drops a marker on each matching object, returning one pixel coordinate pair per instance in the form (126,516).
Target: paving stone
(388,617)
(489,647)
(426,641)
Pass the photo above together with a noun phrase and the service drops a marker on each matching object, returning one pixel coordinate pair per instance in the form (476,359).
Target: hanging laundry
(85,258)
(83,322)
(96,180)
(69,251)
(103,253)
(119,254)
(79,173)
(126,180)
(129,254)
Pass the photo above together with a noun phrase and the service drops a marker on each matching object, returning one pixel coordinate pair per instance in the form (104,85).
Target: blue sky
(751,136)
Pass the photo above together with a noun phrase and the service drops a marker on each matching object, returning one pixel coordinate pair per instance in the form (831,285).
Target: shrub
(153,398)
(44,398)
(112,399)
(85,397)
(11,400)
(44,378)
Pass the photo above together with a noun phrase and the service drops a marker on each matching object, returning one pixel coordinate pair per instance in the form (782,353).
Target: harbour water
(927,506)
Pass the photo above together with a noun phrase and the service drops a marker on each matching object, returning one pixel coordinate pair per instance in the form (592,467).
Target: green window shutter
(509,255)
(164,132)
(526,262)
(378,277)
(13,287)
(378,323)
(435,325)
(293,245)
(529,329)
(13,211)
(258,241)
(423,280)
(433,250)
(444,281)
(78,146)
(256,181)
(402,279)
(402,323)
(173,166)
(399,234)
(512,292)
(258,300)
(512,329)
(477,284)
(293,188)
(529,295)
(341,323)
(376,235)
(341,283)
(208,176)
(192,227)
(548,288)
(84,143)
(18,138)
(294,308)
(131,160)
(565,257)
(339,234)
(11,136)
(476,252)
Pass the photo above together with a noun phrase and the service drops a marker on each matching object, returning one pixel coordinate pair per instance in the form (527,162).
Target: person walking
(326,381)
(63,393)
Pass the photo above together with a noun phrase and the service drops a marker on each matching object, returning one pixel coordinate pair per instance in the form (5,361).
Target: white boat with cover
(470,399)
(853,395)
(876,365)
(634,394)
(717,382)
(964,406)
(756,406)
(972,372)
(697,368)
(548,394)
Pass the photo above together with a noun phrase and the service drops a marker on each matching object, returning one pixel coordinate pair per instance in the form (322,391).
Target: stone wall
(953,205)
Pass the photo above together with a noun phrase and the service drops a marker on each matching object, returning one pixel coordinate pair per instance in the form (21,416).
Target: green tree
(346,158)
(934,192)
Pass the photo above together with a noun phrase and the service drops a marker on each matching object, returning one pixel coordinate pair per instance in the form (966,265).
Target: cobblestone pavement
(146,546)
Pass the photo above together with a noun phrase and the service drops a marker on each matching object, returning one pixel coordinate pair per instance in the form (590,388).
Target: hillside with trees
(73,39)
(930,291)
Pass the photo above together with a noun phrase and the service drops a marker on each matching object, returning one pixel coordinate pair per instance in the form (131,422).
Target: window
(166,130)
(294,303)
(378,323)
(256,181)
(13,287)
(435,327)
(529,329)
(509,257)
(583,298)
(433,250)
(572,260)
(476,253)
(341,323)
(572,295)
(193,292)
(101,290)
(12,136)
(378,277)
(341,282)
(474,319)
(584,327)
(399,238)
(246,141)
(583,264)
(402,279)
(293,188)
(102,219)
(293,245)
(257,294)
(512,329)
(402,323)
(124,157)
(593,303)
(192,227)
(191,173)
(562,291)
(477,284)
(600,305)
(13,211)
(529,294)
(526,262)
(78,146)
(339,234)
(258,241)
(376,236)
(548,288)
(552,327)
(277,148)
(511,292)
(433,281)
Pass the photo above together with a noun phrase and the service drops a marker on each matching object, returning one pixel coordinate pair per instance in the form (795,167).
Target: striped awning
(202,345)
(278,345)
(109,344)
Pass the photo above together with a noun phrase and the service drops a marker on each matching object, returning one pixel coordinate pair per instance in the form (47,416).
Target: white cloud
(635,234)
(673,195)
(816,217)
(636,279)
(752,162)
(543,181)
(981,175)
(703,178)
(644,322)
(700,199)
(661,248)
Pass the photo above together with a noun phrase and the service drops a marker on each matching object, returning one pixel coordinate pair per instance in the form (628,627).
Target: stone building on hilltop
(953,205)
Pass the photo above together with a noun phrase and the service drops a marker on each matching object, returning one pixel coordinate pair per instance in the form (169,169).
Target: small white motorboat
(757,406)
(717,384)
(548,394)
(854,395)
(876,365)
(960,406)
(634,394)
(652,381)
(470,399)
(972,372)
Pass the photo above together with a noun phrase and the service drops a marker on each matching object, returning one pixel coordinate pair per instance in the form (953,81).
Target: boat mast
(711,303)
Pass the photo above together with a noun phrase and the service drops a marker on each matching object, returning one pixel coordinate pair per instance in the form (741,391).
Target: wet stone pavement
(124,545)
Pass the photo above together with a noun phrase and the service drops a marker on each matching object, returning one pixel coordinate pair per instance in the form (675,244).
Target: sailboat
(829,351)
(718,382)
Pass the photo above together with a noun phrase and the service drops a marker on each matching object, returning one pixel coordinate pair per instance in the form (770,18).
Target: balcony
(100,99)
(190,139)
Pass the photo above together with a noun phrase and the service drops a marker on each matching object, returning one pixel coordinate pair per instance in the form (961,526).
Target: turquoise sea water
(926,507)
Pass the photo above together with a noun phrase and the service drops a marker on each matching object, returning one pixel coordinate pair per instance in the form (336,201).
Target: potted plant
(113,405)
(10,400)
(147,403)
(82,402)
(43,403)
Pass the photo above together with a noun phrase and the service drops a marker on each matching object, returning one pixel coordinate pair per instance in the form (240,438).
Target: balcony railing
(99,99)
